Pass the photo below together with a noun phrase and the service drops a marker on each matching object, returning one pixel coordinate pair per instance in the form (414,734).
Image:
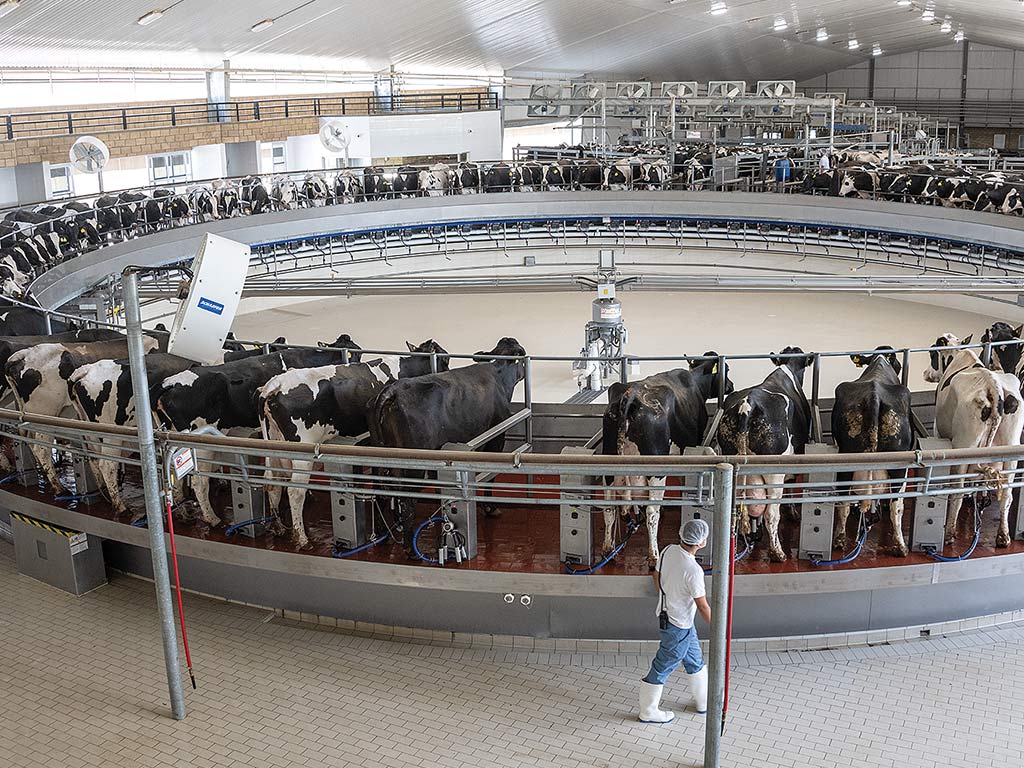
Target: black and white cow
(39,378)
(558,175)
(436,180)
(1005,198)
(589,174)
(619,175)
(85,217)
(771,418)
(652,175)
(1006,357)
(871,415)
(224,396)
(911,183)
(466,179)
(450,407)
(530,176)
(857,181)
(657,416)
(225,193)
(284,194)
(314,191)
(500,177)
(375,184)
(406,182)
(203,204)
(975,408)
(348,187)
(109,221)
(131,206)
(253,196)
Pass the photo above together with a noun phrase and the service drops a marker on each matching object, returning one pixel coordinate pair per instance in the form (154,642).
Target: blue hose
(965,555)
(76,496)
(848,558)
(747,547)
(416,538)
(347,552)
(142,522)
(13,475)
(611,555)
(234,527)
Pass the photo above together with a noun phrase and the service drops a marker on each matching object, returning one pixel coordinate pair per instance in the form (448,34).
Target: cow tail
(872,418)
(627,405)
(995,395)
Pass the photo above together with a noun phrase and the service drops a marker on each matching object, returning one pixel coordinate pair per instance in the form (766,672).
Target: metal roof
(655,39)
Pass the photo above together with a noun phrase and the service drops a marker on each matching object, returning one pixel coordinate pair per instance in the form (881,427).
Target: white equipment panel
(205,317)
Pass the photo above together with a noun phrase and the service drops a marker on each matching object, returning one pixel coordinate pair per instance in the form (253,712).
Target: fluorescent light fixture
(947,27)
(876,50)
(928,15)
(717,9)
(149,18)
(853,45)
(959,36)
(822,35)
(6,6)
(780,24)
(903,3)
(259,26)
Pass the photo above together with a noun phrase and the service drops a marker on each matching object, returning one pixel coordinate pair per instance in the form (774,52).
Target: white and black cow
(450,407)
(436,180)
(857,181)
(619,175)
(253,195)
(871,415)
(39,378)
(771,418)
(314,191)
(348,187)
(657,416)
(466,179)
(589,174)
(1006,348)
(975,408)
(375,184)
(203,204)
(530,176)
(284,194)
(406,182)
(225,193)
(558,175)
(224,396)
(85,218)
(652,175)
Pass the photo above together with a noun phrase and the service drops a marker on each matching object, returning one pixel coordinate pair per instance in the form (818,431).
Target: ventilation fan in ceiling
(775,89)
(681,92)
(586,92)
(88,154)
(726,89)
(839,96)
(634,93)
(544,100)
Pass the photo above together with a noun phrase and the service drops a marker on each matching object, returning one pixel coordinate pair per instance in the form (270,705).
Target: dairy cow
(771,418)
(435,180)
(348,187)
(871,415)
(500,177)
(558,175)
(406,182)
(314,191)
(619,175)
(253,196)
(375,184)
(975,408)
(657,416)
(466,179)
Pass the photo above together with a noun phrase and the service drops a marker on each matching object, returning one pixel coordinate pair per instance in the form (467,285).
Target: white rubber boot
(699,689)
(650,698)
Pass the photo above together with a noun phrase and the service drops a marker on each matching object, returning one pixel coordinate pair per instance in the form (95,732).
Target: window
(61,182)
(175,166)
(1020,141)
(279,162)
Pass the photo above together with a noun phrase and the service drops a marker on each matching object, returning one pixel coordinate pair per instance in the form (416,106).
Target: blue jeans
(678,646)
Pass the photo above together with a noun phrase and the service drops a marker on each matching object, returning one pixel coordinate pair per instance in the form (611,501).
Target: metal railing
(68,122)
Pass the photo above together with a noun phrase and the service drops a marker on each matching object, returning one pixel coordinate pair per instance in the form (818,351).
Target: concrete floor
(82,684)
(659,323)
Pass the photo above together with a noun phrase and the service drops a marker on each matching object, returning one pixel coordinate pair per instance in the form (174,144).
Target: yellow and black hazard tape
(45,526)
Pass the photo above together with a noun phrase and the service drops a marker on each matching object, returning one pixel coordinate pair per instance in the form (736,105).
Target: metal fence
(69,122)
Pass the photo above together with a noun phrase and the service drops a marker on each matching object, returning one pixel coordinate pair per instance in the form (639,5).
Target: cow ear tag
(714,369)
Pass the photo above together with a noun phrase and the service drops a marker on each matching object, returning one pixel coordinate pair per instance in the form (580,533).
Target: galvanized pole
(151,485)
(721,534)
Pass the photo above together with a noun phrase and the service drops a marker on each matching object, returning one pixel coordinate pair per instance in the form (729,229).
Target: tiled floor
(81,684)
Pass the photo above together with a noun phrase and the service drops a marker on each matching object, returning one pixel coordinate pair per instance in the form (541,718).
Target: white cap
(694,532)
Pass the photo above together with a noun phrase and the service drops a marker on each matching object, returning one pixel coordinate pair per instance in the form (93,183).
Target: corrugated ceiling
(606,38)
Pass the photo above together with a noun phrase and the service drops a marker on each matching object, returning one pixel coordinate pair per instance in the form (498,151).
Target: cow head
(708,372)
(940,357)
(1006,357)
(506,347)
(344,342)
(884,352)
(796,364)
(419,364)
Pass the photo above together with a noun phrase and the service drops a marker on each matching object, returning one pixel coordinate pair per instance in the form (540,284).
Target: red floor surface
(525,538)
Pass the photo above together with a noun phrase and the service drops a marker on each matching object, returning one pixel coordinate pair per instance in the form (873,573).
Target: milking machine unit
(604,338)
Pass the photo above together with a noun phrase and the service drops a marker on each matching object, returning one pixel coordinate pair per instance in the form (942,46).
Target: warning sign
(183,463)
(79,543)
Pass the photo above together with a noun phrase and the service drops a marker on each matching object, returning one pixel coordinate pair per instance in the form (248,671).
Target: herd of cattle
(316,394)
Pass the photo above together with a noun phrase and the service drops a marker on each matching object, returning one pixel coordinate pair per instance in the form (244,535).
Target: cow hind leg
(297,499)
(201,490)
(43,452)
(896,505)
(608,513)
(955,502)
(1005,498)
(772,515)
(657,495)
(842,515)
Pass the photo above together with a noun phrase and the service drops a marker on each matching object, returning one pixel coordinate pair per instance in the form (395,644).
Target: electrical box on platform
(205,315)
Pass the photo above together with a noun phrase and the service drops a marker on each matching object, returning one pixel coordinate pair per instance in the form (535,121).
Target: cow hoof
(410,553)
(840,543)
(900,550)
(301,544)
(777,556)
(276,528)
(490,511)
(1002,540)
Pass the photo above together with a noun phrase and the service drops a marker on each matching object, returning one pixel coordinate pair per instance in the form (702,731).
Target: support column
(32,182)
(218,93)
(242,158)
(963,91)
(718,658)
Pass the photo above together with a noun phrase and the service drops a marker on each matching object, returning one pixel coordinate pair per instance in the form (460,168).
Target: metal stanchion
(151,485)
(717,660)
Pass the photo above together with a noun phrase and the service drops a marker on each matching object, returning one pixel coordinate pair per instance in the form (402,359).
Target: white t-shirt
(682,581)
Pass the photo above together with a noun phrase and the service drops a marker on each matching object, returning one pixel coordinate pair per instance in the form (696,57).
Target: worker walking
(680,582)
